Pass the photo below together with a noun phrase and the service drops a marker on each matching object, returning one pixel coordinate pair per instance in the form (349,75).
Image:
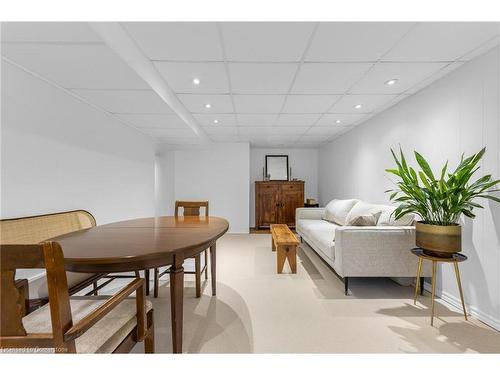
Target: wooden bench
(285,243)
(35,229)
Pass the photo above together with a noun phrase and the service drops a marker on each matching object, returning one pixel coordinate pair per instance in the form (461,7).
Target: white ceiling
(271,84)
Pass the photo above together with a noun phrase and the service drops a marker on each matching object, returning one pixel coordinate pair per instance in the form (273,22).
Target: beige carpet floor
(259,311)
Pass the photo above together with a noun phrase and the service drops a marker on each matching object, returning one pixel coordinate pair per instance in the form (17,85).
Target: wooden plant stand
(455,259)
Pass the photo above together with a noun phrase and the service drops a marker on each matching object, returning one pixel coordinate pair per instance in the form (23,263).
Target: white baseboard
(454,303)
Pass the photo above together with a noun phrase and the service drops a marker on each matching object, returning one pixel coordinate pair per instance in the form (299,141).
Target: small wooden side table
(455,259)
(310,205)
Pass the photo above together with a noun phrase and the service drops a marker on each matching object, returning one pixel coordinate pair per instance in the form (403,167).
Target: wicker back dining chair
(35,229)
(83,324)
(190,208)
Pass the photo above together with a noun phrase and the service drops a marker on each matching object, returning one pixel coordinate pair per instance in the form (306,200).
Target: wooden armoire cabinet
(276,201)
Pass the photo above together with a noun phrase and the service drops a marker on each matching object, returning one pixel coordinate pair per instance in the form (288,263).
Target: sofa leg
(346,286)
(421,286)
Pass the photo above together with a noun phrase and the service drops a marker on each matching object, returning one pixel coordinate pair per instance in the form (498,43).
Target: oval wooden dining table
(139,244)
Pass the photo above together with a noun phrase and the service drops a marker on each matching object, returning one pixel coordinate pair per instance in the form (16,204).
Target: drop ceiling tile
(328,78)
(329,119)
(177,41)
(223,119)
(483,48)
(287,130)
(257,120)
(434,77)
(126,101)
(66,32)
(159,121)
(172,133)
(258,103)
(221,130)
(297,120)
(407,74)
(252,138)
(261,78)
(257,131)
(442,41)
(355,41)
(212,76)
(323,130)
(386,105)
(266,41)
(313,138)
(370,103)
(309,103)
(75,65)
(196,103)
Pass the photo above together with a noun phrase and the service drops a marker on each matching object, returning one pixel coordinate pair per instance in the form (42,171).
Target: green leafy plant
(440,200)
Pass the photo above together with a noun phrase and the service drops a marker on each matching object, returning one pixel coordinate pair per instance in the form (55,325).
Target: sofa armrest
(376,251)
(309,213)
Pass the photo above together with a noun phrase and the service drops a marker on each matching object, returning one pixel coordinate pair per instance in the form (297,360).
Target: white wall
(59,154)
(304,163)
(459,113)
(164,183)
(218,173)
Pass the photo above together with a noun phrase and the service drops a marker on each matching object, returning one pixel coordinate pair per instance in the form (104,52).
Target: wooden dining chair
(88,324)
(36,229)
(191,208)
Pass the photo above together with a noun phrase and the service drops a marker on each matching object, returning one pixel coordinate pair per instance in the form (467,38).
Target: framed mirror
(277,167)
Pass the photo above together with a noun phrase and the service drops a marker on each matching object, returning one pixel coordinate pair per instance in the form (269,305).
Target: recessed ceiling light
(196,81)
(391,82)
(216,121)
(208,106)
(338,121)
(358,106)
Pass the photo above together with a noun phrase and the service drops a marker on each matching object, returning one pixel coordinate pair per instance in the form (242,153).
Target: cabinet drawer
(292,187)
(267,187)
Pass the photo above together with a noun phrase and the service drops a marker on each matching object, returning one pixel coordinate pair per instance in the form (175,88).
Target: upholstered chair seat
(104,336)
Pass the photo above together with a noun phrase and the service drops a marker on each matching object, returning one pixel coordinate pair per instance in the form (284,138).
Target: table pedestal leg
(433,289)
(457,274)
(212,268)
(197,271)
(176,303)
(417,281)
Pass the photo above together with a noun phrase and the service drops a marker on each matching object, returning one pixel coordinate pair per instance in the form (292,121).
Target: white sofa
(380,250)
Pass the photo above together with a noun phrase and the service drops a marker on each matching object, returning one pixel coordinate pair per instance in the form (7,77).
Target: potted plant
(439,200)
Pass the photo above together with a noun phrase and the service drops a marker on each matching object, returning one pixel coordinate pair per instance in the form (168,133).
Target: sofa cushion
(321,233)
(386,217)
(337,210)
(310,227)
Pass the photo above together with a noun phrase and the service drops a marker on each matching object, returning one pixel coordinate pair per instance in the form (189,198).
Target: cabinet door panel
(267,205)
(291,200)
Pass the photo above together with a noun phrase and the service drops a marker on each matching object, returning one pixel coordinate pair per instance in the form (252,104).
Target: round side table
(455,259)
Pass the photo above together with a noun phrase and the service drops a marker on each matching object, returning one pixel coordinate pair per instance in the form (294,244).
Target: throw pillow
(363,208)
(387,218)
(366,220)
(337,210)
